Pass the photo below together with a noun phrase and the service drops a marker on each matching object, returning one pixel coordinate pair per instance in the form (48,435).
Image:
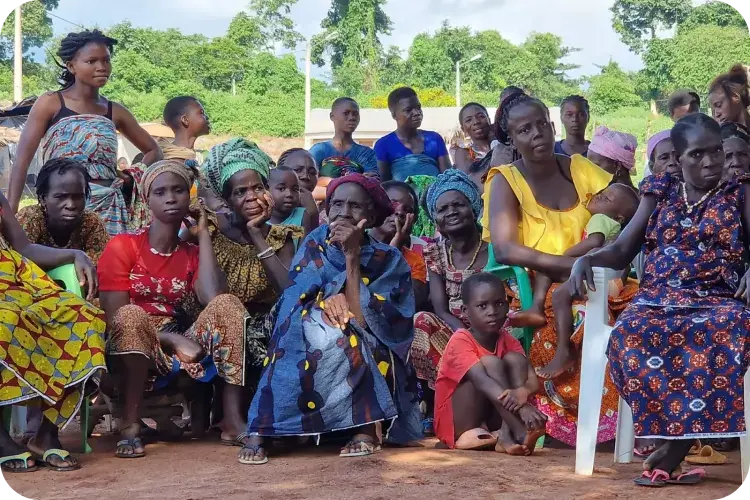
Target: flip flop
(707,456)
(255,448)
(133,443)
(639,453)
(62,455)
(370,447)
(656,478)
(691,477)
(238,441)
(696,448)
(25,456)
(475,439)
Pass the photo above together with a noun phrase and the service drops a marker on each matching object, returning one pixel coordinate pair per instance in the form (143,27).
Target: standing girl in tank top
(76,122)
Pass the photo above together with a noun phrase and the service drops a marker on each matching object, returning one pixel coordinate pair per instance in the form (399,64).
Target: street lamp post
(458,78)
(17,59)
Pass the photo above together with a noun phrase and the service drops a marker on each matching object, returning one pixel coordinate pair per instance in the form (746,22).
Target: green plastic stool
(525,294)
(67,277)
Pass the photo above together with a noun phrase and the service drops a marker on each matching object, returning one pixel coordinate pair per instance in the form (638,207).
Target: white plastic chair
(593,364)
(596,332)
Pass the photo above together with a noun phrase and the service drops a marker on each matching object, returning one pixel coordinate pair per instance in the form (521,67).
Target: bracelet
(267,253)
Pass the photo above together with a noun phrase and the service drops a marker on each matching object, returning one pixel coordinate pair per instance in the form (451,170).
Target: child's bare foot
(563,360)
(529,318)
(507,444)
(532,437)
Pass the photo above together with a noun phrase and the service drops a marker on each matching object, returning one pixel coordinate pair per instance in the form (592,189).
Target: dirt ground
(194,470)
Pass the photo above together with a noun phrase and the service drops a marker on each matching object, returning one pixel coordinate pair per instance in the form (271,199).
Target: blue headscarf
(453,180)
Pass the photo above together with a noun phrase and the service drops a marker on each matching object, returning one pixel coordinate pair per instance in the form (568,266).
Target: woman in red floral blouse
(150,279)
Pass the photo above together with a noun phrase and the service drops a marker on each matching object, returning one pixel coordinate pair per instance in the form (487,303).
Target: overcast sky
(585,24)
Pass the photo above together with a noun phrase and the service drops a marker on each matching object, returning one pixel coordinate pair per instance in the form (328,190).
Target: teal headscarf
(226,159)
(453,180)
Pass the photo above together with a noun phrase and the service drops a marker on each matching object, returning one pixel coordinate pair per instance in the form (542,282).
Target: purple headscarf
(654,141)
(616,146)
(383,207)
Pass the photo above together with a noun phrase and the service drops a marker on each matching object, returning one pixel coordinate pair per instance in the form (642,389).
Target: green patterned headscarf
(226,159)
(423,226)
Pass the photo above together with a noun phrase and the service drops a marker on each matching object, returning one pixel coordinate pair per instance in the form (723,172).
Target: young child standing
(188,120)
(304,165)
(610,209)
(285,191)
(485,377)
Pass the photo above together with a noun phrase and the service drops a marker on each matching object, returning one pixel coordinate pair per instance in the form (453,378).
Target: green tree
(36,27)
(351,37)
(274,24)
(611,90)
(713,13)
(703,53)
(637,21)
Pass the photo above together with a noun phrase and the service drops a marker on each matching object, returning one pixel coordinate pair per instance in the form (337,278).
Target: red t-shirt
(460,355)
(158,283)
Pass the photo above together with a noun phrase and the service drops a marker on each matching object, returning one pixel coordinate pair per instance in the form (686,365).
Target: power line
(63,19)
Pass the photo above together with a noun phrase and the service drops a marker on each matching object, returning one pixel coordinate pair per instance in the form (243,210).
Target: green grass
(639,122)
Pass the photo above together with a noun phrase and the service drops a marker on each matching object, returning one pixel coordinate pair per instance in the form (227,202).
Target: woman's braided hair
(69,47)
(60,166)
(506,105)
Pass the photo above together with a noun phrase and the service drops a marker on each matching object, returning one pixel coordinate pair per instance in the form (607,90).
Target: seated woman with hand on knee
(485,376)
(147,278)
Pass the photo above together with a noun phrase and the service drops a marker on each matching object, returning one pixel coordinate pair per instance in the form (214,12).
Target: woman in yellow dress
(537,210)
(51,342)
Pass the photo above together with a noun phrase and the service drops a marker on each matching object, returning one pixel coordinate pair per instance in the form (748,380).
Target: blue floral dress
(679,351)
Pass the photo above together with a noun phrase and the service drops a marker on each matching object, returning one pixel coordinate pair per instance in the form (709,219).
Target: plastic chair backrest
(67,278)
(525,293)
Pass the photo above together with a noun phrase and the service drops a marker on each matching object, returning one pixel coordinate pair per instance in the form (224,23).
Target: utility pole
(458,84)
(308,91)
(17,60)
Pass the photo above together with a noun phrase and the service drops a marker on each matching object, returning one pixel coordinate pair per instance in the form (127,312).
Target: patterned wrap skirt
(51,341)
(681,369)
(219,330)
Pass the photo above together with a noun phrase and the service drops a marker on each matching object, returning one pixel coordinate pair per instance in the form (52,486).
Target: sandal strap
(25,456)
(62,454)
(255,448)
(241,437)
(133,442)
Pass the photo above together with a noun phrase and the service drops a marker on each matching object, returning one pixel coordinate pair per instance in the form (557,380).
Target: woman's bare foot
(563,360)
(506,443)
(530,318)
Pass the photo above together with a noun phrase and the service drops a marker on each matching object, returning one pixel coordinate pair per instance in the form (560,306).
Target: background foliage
(247,89)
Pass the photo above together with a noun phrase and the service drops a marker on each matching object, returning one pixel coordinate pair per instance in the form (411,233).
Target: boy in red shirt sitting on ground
(484,382)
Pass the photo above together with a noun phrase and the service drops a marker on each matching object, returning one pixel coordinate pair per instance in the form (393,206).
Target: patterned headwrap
(339,166)
(616,146)
(655,140)
(176,167)
(226,159)
(373,188)
(453,180)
